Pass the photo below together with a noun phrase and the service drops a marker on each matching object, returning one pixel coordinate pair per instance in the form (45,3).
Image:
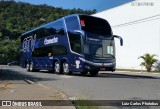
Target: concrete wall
(138,23)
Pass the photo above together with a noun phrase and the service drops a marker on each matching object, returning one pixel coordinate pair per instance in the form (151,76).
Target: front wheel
(28,67)
(93,73)
(31,67)
(66,68)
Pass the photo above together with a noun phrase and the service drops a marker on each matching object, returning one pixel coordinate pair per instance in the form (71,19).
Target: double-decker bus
(74,43)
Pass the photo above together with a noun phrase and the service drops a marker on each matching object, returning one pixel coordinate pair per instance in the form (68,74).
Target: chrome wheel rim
(57,68)
(27,67)
(65,68)
(31,66)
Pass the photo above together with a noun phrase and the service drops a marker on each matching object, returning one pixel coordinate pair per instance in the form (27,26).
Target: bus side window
(75,43)
(58,50)
(43,51)
(72,23)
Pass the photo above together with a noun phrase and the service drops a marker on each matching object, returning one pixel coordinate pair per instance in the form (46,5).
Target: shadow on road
(114,75)
(107,75)
(132,76)
(10,74)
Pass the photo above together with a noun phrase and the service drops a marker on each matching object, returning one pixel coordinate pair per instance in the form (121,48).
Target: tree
(148,61)
(18,17)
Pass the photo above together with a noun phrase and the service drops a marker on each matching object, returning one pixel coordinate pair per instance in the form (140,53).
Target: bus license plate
(102,69)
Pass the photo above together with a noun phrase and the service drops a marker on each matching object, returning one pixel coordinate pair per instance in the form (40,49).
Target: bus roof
(55,21)
(48,24)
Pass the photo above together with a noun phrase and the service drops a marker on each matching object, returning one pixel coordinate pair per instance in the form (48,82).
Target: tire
(57,68)
(28,67)
(65,68)
(84,73)
(31,68)
(93,73)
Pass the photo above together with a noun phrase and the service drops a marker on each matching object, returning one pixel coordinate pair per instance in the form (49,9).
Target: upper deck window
(95,25)
(72,23)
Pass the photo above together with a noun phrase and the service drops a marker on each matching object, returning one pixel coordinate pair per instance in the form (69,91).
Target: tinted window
(54,28)
(58,50)
(72,23)
(55,50)
(41,52)
(95,25)
(75,42)
(47,30)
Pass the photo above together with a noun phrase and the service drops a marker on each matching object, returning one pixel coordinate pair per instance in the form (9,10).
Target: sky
(99,5)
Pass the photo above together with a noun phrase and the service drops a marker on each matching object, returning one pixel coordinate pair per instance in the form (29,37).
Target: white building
(138,23)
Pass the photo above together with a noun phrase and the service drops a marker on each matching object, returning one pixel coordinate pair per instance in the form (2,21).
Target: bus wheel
(93,73)
(84,73)
(28,67)
(31,67)
(66,68)
(56,67)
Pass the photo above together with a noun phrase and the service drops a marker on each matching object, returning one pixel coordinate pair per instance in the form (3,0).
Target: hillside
(16,18)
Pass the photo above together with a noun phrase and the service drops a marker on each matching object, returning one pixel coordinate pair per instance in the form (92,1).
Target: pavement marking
(41,85)
(66,76)
(29,81)
(32,82)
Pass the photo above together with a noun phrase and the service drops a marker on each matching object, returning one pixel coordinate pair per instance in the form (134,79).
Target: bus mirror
(79,31)
(121,40)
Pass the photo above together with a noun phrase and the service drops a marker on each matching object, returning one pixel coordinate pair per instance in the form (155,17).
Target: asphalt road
(105,86)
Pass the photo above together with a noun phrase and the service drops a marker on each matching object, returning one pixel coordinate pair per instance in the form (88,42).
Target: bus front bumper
(104,65)
(100,66)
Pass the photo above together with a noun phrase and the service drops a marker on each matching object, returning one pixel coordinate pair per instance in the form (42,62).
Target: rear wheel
(84,73)
(56,67)
(31,68)
(93,73)
(66,68)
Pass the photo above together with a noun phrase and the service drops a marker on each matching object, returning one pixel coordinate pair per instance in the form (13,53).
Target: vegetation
(148,61)
(16,18)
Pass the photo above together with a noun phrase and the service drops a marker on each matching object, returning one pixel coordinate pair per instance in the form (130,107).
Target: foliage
(148,61)
(16,18)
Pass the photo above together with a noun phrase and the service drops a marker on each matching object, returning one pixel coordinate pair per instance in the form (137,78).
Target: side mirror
(121,40)
(79,32)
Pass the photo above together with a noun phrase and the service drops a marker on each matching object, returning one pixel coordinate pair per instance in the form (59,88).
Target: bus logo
(27,42)
(50,41)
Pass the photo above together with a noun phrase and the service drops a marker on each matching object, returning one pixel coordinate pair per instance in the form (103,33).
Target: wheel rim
(65,68)
(57,68)
(27,67)
(31,66)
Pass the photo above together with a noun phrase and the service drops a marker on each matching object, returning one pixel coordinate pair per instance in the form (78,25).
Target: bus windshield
(104,49)
(95,25)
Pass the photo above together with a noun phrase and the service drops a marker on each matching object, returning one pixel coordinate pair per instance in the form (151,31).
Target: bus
(74,43)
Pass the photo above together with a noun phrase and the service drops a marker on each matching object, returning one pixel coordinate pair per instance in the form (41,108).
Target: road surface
(105,86)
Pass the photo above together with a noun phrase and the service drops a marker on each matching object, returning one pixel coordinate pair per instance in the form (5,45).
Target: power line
(137,21)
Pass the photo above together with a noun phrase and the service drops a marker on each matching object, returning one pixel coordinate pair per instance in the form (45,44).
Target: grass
(88,104)
(3,88)
(79,104)
(85,104)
